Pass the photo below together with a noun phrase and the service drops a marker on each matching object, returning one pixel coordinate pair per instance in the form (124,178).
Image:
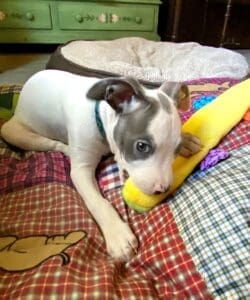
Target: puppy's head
(147,131)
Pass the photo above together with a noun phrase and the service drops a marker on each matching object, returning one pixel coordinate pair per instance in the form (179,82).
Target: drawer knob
(114,18)
(29,16)
(102,18)
(138,20)
(2,16)
(79,18)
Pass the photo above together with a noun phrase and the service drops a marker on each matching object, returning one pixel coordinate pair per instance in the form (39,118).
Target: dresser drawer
(93,16)
(24,15)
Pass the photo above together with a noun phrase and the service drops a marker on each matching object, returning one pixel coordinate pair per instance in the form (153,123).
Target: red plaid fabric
(161,269)
(22,171)
(237,137)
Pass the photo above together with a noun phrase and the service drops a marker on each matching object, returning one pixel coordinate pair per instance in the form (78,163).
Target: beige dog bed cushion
(148,60)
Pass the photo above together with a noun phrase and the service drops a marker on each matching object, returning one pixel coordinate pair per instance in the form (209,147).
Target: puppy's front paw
(121,242)
(190,145)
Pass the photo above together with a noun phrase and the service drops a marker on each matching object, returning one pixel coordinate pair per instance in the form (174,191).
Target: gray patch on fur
(132,128)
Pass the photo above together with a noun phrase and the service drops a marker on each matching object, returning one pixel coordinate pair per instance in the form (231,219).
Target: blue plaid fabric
(212,212)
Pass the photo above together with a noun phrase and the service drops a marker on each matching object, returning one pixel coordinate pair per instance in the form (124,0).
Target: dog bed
(194,245)
(147,60)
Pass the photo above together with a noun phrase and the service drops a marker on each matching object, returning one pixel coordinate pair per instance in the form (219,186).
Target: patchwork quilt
(194,245)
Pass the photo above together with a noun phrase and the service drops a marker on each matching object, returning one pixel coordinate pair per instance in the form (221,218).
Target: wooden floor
(17,68)
(11,61)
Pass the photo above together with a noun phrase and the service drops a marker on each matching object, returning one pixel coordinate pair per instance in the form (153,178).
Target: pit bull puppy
(141,126)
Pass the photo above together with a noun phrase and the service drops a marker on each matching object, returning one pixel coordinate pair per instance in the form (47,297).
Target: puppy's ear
(179,93)
(118,92)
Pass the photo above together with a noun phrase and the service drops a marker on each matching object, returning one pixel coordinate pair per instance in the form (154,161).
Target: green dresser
(32,21)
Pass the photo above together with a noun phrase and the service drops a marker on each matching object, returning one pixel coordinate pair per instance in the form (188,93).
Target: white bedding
(156,61)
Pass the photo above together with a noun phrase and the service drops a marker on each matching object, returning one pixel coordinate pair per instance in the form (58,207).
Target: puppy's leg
(120,241)
(190,145)
(21,136)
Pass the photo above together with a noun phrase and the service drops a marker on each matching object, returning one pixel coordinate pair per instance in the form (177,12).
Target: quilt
(194,245)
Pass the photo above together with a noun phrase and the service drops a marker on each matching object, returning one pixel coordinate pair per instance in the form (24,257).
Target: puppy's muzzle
(160,188)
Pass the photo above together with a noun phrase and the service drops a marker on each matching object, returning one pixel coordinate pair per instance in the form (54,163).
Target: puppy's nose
(160,188)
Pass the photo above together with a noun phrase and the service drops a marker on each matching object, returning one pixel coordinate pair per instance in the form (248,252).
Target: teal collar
(99,120)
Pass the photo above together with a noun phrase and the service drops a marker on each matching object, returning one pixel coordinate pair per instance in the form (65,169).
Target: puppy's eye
(143,147)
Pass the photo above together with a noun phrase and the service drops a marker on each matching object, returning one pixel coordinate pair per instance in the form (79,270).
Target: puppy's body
(142,129)
(53,104)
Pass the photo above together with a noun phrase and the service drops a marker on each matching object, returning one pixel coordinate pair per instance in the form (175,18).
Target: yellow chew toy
(210,124)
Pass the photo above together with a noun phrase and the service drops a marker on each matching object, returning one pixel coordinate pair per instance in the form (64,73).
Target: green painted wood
(19,14)
(56,37)
(93,16)
(52,21)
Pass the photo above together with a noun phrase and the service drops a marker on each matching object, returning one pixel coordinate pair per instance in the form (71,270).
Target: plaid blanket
(191,246)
